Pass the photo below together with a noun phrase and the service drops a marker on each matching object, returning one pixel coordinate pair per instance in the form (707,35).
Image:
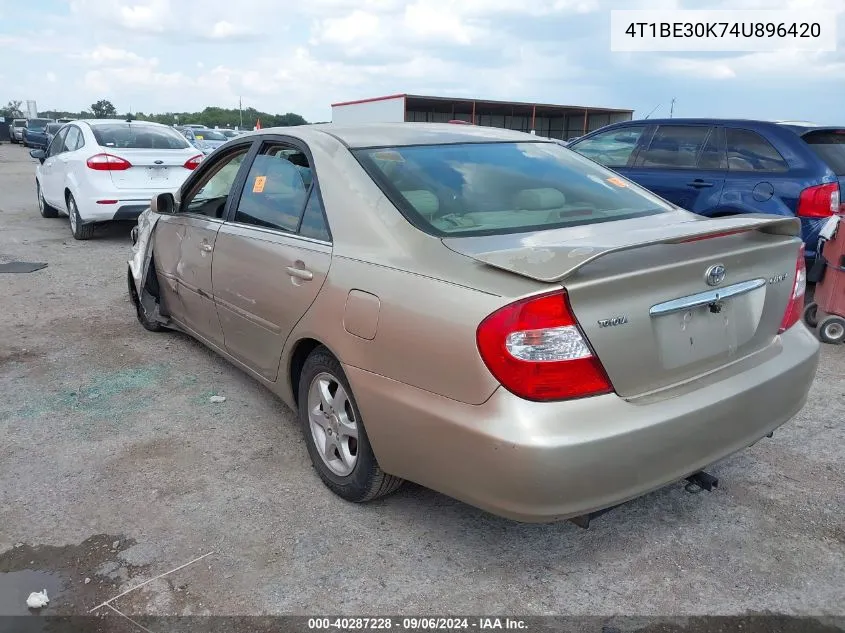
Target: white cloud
(169,55)
(105,55)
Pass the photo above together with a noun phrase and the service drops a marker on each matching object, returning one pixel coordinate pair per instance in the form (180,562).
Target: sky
(284,56)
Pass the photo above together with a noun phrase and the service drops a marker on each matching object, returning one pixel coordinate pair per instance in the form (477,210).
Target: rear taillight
(536,349)
(820,201)
(193,162)
(107,162)
(795,307)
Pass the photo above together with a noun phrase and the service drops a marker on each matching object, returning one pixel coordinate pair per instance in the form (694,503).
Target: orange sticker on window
(258,185)
(617,181)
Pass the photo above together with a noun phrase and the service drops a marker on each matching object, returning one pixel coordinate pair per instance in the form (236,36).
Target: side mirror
(163,203)
(38,154)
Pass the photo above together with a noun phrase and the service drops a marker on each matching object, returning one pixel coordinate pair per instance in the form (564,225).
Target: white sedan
(102,170)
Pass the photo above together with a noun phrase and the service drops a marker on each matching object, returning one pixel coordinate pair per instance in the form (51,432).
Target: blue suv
(721,167)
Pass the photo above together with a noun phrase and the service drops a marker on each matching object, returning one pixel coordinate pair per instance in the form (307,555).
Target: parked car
(481,311)
(16,128)
(722,167)
(51,130)
(34,134)
(204,139)
(102,170)
(230,133)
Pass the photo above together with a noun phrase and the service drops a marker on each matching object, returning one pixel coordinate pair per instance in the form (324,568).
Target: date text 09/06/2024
(416,624)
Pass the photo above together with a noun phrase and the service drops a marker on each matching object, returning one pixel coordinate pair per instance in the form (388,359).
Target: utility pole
(672,108)
(241,111)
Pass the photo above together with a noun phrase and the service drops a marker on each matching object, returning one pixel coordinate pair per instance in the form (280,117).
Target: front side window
(57,146)
(674,147)
(137,136)
(276,189)
(210,195)
(612,148)
(497,188)
(748,151)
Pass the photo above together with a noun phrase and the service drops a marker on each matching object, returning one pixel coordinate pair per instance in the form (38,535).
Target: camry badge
(715,275)
(613,322)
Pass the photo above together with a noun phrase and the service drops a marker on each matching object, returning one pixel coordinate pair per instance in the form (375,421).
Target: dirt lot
(114,466)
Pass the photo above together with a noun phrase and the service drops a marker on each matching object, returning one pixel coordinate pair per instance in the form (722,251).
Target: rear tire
(811,315)
(832,330)
(334,432)
(45,209)
(79,230)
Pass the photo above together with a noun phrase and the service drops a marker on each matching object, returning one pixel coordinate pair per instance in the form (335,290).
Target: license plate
(704,332)
(158,173)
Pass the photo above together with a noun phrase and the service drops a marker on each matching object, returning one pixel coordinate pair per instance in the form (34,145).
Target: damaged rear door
(185,242)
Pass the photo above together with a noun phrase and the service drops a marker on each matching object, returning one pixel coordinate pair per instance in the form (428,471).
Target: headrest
(424,202)
(539,199)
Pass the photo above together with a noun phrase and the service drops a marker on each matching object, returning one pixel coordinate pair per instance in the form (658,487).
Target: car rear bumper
(107,206)
(540,462)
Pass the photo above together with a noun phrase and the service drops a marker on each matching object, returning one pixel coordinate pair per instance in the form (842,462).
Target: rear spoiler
(551,256)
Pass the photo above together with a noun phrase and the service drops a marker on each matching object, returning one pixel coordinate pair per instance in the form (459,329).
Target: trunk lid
(640,292)
(153,169)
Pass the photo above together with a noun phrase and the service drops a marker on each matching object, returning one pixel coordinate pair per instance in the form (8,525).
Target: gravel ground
(115,467)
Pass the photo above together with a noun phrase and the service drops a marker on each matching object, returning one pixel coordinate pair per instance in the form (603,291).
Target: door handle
(206,247)
(300,273)
(699,184)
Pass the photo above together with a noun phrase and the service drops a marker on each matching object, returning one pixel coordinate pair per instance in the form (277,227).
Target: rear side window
(612,148)
(314,220)
(748,151)
(829,145)
(499,188)
(674,146)
(73,140)
(275,193)
(137,136)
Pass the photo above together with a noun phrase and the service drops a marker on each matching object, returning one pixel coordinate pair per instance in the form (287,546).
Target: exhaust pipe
(702,481)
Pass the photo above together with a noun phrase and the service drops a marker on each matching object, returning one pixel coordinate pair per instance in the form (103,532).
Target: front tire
(140,312)
(80,231)
(45,209)
(334,432)
(832,330)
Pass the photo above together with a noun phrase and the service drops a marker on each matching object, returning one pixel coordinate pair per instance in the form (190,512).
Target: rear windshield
(137,136)
(496,188)
(19,123)
(37,124)
(829,145)
(209,135)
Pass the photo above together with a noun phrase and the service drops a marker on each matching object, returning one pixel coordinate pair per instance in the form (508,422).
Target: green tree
(12,110)
(103,109)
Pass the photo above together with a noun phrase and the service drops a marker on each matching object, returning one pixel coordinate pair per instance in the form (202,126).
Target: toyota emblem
(715,275)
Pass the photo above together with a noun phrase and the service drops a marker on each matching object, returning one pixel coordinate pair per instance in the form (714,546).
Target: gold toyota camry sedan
(480,311)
